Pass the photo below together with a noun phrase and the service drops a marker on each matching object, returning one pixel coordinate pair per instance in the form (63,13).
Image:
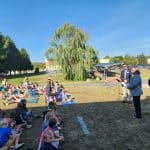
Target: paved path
(144,84)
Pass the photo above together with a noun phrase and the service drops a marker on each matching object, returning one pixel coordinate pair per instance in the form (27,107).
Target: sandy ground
(110,123)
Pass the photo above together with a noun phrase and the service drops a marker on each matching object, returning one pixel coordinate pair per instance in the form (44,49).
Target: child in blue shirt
(5,134)
(7,137)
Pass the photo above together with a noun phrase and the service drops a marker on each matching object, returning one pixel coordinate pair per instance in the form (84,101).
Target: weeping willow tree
(69,47)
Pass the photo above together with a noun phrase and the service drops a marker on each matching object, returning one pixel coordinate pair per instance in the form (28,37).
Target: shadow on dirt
(111,127)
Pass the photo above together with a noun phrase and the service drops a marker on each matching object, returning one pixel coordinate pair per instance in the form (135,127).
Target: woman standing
(135,86)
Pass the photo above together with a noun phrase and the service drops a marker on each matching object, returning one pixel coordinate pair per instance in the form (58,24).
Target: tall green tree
(1,46)
(11,59)
(12,55)
(91,57)
(68,46)
(116,59)
(107,57)
(2,53)
(25,60)
(142,59)
(130,60)
(39,65)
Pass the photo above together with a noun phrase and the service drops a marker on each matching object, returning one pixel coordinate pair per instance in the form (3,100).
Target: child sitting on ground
(11,123)
(49,140)
(52,114)
(21,115)
(2,113)
(67,97)
(8,138)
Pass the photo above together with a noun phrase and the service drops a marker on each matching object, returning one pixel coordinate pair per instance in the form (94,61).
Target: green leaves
(128,59)
(142,59)
(25,60)
(11,59)
(68,46)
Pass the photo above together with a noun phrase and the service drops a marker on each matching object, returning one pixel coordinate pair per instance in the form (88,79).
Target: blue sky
(115,27)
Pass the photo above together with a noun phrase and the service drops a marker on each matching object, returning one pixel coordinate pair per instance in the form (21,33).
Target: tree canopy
(142,59)
(116,59)
(11,59)
(39,65)
(69,47)
(131,60)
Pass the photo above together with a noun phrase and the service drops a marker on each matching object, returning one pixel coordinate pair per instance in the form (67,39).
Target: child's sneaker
(28,126)
(6,104)
(19,133)
(20,130)
(19,146)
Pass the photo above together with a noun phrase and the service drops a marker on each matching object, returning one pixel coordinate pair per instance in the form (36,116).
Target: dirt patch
(110,122)
(111,126)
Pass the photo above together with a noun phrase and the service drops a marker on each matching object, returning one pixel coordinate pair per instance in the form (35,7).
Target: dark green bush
(36,70)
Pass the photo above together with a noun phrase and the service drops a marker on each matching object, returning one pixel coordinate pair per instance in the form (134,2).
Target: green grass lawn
(145,74)
(42,79)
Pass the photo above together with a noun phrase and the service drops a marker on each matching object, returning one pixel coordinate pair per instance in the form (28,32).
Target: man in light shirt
(125,78)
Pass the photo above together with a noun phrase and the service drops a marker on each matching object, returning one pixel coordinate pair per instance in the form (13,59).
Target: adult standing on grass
(125,78)
(135,86)
(48,89)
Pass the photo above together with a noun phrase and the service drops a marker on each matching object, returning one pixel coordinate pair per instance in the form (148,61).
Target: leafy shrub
(36,70)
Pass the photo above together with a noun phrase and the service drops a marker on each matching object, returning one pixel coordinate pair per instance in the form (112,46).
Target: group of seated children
(51,134)
(58,94)
(11,127)
(13,94)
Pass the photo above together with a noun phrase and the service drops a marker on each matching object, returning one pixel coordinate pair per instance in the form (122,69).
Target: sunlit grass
(145,74)
(42,79)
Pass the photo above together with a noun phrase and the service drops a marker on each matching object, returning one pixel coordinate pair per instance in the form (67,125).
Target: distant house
(52,65)
(104,60)
(148,61)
